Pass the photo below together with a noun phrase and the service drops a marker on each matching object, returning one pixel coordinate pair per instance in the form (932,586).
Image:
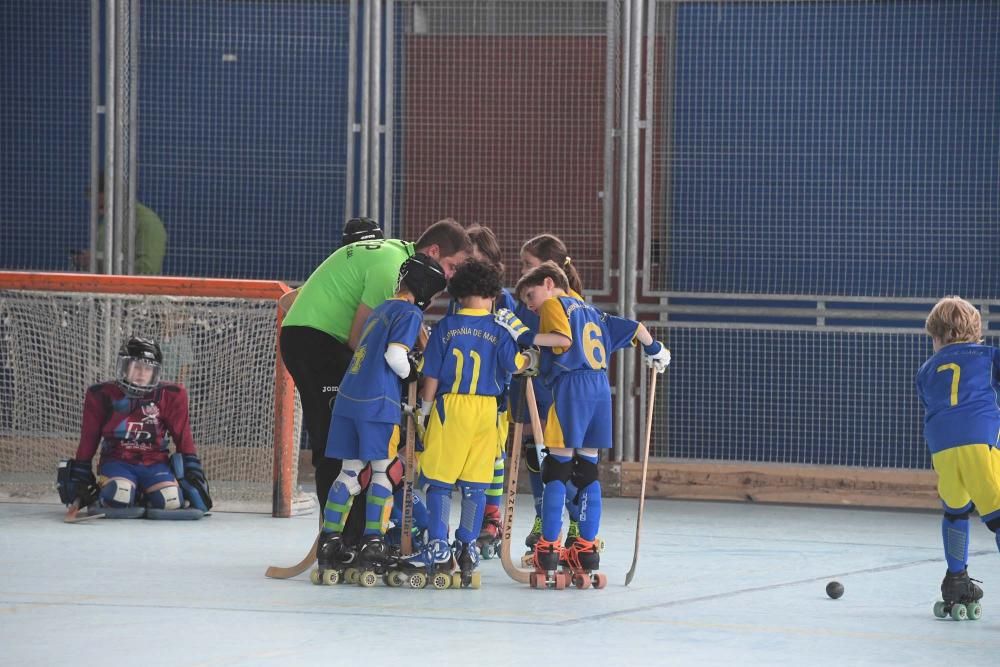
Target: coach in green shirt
(325,319)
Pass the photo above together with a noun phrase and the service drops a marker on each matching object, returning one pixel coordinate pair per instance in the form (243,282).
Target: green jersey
(365,272)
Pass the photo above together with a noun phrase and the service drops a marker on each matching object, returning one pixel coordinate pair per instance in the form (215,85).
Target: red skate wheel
(599,579)
(581,581)
(559,581)
(533,580)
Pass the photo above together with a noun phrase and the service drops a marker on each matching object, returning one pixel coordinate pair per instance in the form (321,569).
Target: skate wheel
(959,612)
(418,580)
(559,581)
(475,580)
(330,577)
(581,581)
(533,580)
(456,580)
(975,611)
(939,610)
(599,580)
(351,576)
(441,581)
(314,577)
(394,579)
(367,579)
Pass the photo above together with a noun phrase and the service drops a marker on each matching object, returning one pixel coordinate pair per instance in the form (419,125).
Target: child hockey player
(467,365)
(958,387)
(129,419)
(542,248)
(364,430)
(576,340)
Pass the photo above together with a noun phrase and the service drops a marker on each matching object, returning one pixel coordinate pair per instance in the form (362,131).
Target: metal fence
(713,167)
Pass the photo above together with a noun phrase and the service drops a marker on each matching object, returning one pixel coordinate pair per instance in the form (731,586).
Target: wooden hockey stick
(278,572)
(645,466)
(409,475)
(510,484)
(72,514)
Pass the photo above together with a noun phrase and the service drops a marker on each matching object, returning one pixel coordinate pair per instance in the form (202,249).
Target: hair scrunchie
(566,261)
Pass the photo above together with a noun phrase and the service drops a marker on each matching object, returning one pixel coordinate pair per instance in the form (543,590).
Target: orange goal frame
(285,447)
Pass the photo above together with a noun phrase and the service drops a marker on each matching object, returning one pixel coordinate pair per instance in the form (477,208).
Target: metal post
(363,205)
(110,137)
(620,391)
(133,133)
(95,129)
(352,100)
(390,82)
(375,113)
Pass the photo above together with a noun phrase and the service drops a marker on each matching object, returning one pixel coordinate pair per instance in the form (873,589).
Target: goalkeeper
(129,420)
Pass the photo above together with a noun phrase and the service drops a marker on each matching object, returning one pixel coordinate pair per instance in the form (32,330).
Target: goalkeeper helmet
(361,229)
(139,362)
(424,277)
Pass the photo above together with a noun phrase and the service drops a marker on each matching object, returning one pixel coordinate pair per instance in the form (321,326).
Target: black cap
(361,229)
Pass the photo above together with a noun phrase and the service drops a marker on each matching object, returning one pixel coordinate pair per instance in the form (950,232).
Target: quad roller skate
(582,559)
(334,561)
(546,562)
(374,560)
(960,597)
(572,533)
(433,565)
(467,558)
(488,541)
(528,560)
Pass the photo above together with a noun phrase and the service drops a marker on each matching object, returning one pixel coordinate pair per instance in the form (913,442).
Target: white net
(56,344)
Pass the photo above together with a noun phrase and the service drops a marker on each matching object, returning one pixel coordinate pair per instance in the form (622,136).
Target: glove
(416,366)
(419,416)
(514,326)
(76,483)
(534,358)
(656,356)
(194,484)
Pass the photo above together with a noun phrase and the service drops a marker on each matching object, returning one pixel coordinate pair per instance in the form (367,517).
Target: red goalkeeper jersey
(135,430)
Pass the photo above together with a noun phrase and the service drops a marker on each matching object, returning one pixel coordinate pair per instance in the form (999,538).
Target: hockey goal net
(60,333)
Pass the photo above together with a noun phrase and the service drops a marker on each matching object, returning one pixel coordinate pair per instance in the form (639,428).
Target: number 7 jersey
(958,388)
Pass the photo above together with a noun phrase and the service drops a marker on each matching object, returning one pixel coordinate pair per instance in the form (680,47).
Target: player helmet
(361,229)
(424,277)
(139,361)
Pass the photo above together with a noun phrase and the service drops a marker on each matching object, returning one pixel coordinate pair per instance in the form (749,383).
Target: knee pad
(165,498)
(531,457)
(379,474)
(584,473)
(118,492)
(349,476)
(556,471)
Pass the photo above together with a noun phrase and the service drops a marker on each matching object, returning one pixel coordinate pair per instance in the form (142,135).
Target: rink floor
(718,583)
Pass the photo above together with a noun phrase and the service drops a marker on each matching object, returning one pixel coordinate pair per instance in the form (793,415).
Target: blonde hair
(955,320)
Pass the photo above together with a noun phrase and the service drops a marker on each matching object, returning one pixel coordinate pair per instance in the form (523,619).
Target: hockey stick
(645,466)
(409,475)
(510,484)
(72,514)
(278,572)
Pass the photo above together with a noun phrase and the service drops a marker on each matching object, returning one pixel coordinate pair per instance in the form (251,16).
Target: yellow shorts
(969,473)
(503,428)
(461,439)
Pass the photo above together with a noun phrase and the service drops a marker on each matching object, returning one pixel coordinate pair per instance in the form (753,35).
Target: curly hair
(475,278)
(955,320)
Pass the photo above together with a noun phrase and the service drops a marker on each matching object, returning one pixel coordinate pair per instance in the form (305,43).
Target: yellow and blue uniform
(472,358)
(959,388)
(580,415)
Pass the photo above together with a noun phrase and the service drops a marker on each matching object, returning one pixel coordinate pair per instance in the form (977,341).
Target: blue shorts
(141,476)
(580,415)
(361,439)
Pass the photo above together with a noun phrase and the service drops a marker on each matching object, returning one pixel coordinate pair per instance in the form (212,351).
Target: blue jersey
(958,388)
(469,353)
(370,389)
(595,335)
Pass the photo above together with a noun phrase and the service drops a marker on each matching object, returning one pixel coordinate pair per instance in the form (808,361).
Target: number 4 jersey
(958,388)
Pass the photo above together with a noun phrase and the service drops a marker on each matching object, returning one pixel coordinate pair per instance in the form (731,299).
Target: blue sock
(473,505)
(420,517)
(955,535)
(438,511)
(375,501)
(553,502)
(590,506)
(396,513)
(338,505)
(537,490)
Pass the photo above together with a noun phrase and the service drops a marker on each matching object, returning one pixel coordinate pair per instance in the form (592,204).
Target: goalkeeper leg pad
(118,492)
(187,514)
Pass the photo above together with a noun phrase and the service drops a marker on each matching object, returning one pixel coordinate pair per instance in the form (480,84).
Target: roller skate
(546,562)
(528,560)
(334,561)
(583,559)
(489,537)
(433,564)
(572,533)
(467,558)
(960,597)
(374,560)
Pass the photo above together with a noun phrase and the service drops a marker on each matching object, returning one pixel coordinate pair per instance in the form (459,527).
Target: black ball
(834,589)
